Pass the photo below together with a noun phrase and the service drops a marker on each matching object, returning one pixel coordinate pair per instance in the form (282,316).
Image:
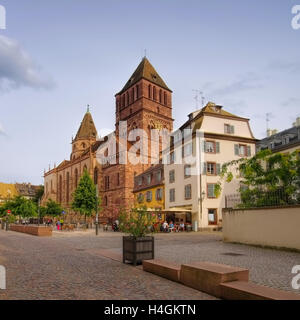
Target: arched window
(60,189)
(154,93)
(84,168)
(132,95)
(123,100)
(76,178)
(150,91)
(105,202)
(160,96)
(137,91)
(96,176)
(165,99)
(68,187)
(83,145)
(127,98)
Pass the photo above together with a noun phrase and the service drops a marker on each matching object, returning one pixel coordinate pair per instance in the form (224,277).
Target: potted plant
(137,246)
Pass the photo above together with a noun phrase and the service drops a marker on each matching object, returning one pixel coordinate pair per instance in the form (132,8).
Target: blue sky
(58,56)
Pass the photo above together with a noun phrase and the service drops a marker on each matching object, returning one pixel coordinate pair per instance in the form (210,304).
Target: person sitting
(181,226)
(171,226)
(165,226)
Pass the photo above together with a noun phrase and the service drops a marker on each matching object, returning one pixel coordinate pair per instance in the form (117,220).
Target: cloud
(294,102)
(2,131)
(17,69)
(285,66)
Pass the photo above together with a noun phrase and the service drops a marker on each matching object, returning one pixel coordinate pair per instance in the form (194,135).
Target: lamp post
(39,211)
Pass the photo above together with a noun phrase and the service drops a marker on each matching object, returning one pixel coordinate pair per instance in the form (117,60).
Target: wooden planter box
(137,250)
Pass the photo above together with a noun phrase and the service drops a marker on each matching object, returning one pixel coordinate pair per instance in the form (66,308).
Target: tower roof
(145,70)
(87,128)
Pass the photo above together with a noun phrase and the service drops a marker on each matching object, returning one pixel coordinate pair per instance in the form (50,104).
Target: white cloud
(17,69)
(2,131)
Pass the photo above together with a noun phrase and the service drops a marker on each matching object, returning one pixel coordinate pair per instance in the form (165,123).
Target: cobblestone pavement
(68,265)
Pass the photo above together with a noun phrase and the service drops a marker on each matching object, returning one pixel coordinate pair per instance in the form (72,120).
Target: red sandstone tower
(145,102)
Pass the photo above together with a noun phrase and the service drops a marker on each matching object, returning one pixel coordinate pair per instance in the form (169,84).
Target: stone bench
(207,277)
(163,269)
(241,290)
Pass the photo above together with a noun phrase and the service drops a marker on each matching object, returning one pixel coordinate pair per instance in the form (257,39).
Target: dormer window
(228,129)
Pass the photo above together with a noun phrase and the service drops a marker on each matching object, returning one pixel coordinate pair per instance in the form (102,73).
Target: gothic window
(60,189)
(123,100)
(96,176)
(127,98)
(105,201)
(68,187)
(76,177)
(149,91)
(83,145)
(137,91)
(160,96)
(165,99)
(84,168)
(154,93)
(132,95)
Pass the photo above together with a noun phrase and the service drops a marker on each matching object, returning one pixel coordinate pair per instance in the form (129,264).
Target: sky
(58,56)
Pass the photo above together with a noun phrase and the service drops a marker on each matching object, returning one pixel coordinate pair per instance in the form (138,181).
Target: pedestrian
(58,225)
(61,224)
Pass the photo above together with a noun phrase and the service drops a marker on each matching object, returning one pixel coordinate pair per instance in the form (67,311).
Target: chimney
(297,122)
(271,132)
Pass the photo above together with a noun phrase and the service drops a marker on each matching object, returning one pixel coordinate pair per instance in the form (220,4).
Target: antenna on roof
(199,93)
(88,108)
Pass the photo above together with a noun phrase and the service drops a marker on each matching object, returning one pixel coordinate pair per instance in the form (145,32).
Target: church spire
(87,127)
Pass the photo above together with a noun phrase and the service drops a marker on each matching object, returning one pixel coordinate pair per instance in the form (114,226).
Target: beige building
(217,137)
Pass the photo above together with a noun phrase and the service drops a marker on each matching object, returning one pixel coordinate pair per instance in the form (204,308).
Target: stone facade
(145,103)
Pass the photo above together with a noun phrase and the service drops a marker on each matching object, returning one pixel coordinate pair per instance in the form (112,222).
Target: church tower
(145,102)
(85,137)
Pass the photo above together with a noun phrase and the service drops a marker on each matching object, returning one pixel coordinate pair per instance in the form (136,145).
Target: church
(145,102)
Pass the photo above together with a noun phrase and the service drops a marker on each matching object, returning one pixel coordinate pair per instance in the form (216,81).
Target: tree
(19,206)
(39,194)
(52,208)
(266,179)
(85,196)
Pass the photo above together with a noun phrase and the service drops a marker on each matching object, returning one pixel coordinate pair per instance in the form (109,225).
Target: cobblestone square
(69,265)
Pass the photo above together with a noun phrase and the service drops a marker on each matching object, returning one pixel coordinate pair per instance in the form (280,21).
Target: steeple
(87,127)
(146,71)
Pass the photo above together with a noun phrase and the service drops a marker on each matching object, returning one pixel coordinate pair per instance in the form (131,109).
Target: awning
(178,210)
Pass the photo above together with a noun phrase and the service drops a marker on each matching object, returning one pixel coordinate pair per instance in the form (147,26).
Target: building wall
(275,227)
(198,204)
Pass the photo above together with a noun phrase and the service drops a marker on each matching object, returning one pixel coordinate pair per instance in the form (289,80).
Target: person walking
(58,225)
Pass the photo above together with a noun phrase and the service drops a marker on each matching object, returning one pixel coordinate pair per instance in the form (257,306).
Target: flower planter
(135,250)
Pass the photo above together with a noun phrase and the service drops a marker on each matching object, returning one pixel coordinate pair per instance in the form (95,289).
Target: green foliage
(52,209)
(19,206)
(266,178)
(138,222)
(39,194)
(85,196)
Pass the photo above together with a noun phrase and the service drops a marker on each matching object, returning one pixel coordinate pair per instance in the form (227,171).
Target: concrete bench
(241,290)
(207,277)
(163,269)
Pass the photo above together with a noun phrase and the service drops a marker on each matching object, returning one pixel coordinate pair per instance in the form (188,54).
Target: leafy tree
(19,206)
(39,194)
(85,196)
(266,179)
(52,208)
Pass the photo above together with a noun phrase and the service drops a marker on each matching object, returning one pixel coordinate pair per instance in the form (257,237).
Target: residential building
(216,137)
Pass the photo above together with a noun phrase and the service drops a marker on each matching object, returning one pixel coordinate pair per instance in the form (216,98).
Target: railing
(251,199)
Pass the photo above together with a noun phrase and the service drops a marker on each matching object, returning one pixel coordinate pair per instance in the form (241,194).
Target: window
(106,182)
(137,91)
(210,146)
(105,201)
(188,192)
(140,198)
(171,176)
(212,216)
(76,178)
(242,150)
(158,194)
(187,171)
(188,149)
(149,196)
(158,176)
(211,168)
(172,195)
(154,93)
(211,190)
(172,157)
(160,96)
(149,179)
(96,176)
(228,129)
(165,99)
(140,181)
(149,91)
(68,188)
(118,179)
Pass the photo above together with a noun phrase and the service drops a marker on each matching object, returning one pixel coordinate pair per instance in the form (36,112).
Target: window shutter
(248,151)
(204,146)
(218,168)
(217,147)
(231,129)
(204,167)
(236,149)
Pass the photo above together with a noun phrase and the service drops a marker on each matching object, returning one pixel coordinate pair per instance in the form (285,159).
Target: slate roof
(87,128)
